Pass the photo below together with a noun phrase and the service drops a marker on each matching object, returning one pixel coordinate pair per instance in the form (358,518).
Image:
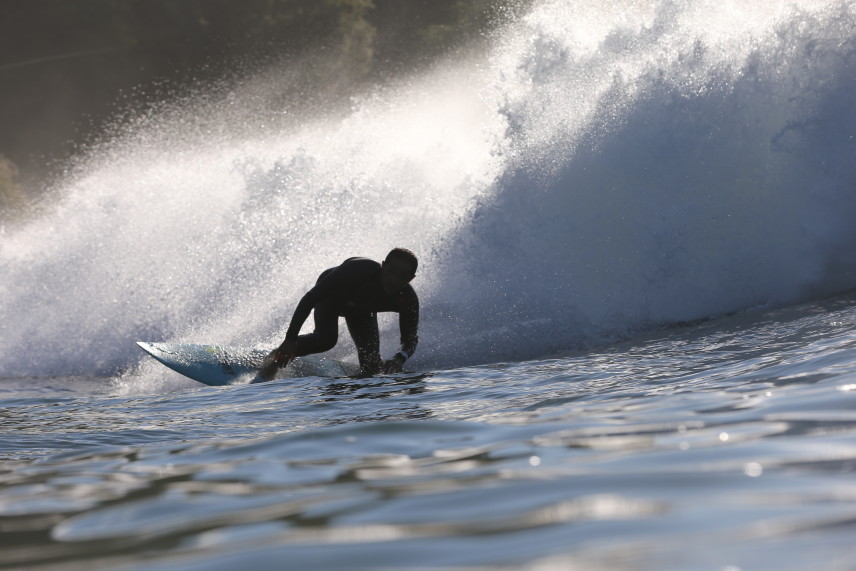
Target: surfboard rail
(218,365)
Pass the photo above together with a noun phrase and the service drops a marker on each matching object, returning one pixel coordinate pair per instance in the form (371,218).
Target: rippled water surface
(724,445)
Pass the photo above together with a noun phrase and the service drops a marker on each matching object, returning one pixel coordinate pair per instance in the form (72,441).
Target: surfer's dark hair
(405,255)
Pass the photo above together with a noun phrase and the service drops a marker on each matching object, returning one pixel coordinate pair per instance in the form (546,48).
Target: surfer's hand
(277,359)
(394,365)
(284,353)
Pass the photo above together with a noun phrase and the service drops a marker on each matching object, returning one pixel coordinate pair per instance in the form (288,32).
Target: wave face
(663,163)
(596,173)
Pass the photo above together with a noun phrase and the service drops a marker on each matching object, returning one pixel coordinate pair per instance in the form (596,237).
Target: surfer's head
(398,269)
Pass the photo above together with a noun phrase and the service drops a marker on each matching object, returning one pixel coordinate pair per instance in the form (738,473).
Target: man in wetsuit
(357,290)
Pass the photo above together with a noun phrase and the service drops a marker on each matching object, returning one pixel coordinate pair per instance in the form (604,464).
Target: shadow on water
(377,387)
(366,389)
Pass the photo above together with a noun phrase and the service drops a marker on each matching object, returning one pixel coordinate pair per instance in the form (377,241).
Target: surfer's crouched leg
(326,331)
(363,329)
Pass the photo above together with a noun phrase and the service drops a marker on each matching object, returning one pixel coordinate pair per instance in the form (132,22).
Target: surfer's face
(395,274)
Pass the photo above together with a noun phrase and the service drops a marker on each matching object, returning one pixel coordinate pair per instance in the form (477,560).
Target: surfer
(357,290)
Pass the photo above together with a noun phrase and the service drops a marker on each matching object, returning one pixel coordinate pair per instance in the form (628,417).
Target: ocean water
(724,445)
(637,230)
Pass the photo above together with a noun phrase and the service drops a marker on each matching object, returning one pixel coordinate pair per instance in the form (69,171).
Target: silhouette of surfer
(357,290)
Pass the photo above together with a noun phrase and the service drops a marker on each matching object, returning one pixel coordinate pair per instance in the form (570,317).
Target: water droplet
(753,469)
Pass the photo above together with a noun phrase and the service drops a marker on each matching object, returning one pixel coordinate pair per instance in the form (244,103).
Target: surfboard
(217,365)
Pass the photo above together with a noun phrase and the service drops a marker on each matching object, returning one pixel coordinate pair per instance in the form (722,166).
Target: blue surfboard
(217,365)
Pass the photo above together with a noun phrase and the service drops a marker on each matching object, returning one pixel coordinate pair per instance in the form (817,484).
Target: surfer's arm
(287,350)
(408,322)
(301,312)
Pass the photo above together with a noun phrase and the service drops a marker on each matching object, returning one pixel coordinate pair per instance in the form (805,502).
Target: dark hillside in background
(68,66)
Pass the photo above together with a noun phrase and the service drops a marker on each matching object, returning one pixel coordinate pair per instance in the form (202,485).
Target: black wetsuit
(354,290)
